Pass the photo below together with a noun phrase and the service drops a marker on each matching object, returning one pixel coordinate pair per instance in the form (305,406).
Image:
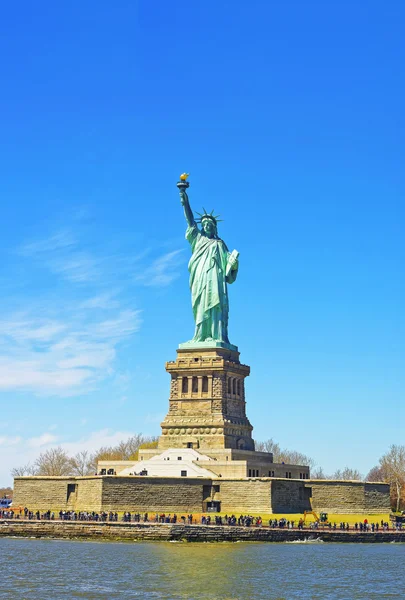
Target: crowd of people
(242,520)
(189,519)
(383,526)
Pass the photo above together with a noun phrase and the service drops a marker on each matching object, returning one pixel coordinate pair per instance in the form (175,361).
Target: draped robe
(208,285)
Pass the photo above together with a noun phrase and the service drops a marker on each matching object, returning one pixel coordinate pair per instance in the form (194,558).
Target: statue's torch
(183,184)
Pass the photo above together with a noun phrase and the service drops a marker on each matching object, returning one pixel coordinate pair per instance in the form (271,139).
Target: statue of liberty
(211,268)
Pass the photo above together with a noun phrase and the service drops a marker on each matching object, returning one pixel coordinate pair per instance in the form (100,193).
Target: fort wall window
(184,385)
(195,385)
(234,386)
(205,383)
(229,385)
(238,388)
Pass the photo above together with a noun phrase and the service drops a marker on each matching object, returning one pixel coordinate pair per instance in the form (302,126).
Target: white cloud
(43,440)
(163,270)
(126,323)
(66,355)
(21,375)
(78,268)
(21,328)
(102,301)
(9,440)
(58,241)
(65,347)
(17,452)
(95,440)
(60,254)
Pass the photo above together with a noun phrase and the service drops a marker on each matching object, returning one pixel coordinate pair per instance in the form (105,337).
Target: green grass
(332,518)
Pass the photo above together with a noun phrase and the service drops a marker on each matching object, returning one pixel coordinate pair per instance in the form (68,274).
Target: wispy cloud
(95,440)
(68,355)
(101,301)
(65,342)
(68,344)
(6,440)
(78,268)
(60,240)
(61,254)
(163,270)
(43,440)
(21,328)
(20,451)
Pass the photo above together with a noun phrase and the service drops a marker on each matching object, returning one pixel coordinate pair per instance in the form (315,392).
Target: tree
(269,446)
(25,470)
(392,465)
(104,453)
(280,455)
(292,457)
(318,473)
(129,449)
(347,474)
(125,450)
(376,474)
(82,464)
(55,462)
(6,491)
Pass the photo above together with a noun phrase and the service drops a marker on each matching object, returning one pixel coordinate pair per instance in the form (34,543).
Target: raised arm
(188,213)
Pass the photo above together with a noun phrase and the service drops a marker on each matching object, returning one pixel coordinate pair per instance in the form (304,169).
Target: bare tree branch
(54,461)
(82,463)
(25,470)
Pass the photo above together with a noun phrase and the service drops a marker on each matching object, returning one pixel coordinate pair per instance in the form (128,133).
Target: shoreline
(113,531)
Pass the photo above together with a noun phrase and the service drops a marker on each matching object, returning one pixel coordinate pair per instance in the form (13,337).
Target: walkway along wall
(189,533)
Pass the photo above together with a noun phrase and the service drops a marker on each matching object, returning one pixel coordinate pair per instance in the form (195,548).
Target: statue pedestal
(207,400)
(207,345)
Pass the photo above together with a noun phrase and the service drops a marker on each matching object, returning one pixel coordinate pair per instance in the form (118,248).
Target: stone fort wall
(43,493)
(182,495)
(350,496)
(157,494)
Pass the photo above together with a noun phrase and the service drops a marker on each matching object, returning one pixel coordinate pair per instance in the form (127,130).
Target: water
(59,569)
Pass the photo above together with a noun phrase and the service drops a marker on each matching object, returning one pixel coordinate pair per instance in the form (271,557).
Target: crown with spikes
(207,215)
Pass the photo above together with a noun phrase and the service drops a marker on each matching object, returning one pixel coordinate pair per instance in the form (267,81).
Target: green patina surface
(212,267)
(193,345)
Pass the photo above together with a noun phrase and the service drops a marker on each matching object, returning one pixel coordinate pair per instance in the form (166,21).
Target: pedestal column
(213,419)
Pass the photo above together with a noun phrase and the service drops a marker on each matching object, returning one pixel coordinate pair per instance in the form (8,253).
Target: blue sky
(290,118)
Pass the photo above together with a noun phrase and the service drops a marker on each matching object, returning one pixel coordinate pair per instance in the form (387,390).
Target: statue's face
(208,227)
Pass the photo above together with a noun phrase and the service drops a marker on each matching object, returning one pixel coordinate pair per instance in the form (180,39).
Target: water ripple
(59,569)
